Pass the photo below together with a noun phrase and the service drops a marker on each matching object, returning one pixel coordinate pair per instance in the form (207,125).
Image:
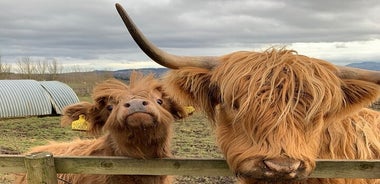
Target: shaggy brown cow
(276,112)
(136,121)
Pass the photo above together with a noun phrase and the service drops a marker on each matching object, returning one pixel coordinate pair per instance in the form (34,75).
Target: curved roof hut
(20,98)
(61,95)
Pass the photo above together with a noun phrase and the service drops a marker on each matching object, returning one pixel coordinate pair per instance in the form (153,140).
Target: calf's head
(142,107)
(269,108)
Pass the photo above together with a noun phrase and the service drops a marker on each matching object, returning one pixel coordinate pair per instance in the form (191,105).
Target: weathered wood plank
(118,165)
(205,167)
(12,164)
(190,167)
(40,168)
(347,169)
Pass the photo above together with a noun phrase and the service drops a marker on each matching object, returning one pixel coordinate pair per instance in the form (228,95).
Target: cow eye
(236,105)
(159,101)
(109,107)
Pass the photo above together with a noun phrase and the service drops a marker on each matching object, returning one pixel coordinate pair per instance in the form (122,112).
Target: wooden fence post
(40,168)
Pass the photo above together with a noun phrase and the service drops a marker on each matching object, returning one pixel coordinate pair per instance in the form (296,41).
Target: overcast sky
(89,33)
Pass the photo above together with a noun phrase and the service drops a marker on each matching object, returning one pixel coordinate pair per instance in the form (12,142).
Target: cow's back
(355,137)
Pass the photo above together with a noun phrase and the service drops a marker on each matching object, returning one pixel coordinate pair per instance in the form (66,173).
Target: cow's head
(269,108)
(116,106)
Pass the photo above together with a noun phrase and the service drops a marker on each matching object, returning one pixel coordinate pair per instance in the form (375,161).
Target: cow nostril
(283,165)
(127,105)
(145,103)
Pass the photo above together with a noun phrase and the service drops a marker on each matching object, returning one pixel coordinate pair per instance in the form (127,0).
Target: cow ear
(178,111)
(192,86)
(72,112)
(99,114)
(359,94)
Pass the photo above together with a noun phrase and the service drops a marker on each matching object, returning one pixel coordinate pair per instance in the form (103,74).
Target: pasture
(192,139)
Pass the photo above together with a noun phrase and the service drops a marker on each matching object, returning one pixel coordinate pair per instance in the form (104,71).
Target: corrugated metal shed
(20,98)
(61,95)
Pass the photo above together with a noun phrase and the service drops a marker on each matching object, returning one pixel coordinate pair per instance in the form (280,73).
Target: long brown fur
(278,104)
(120,133)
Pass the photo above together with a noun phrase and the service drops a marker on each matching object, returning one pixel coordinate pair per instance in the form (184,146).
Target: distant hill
(366,65)
(124,74)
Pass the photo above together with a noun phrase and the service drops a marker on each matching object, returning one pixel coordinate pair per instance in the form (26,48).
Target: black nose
(136,105)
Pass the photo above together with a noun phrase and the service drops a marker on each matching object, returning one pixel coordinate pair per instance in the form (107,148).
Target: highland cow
(136,122)
(276,112)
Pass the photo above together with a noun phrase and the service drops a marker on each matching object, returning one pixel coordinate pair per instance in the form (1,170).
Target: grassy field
(192,139)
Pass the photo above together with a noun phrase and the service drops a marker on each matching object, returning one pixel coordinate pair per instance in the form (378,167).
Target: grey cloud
(92,29)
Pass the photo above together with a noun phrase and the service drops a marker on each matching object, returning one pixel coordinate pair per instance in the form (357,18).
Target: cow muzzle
(283,168)
(138,114)
(273,169)
(136,105)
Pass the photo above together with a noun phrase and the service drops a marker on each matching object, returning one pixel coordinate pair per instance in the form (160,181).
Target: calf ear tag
(80,124)
(189,110)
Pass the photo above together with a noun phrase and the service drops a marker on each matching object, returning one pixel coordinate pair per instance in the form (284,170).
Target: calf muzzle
(136,105)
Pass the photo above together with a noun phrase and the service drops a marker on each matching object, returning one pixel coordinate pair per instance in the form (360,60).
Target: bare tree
(41,66)
(54,68)
(5,70)
(25,66)
(39,69)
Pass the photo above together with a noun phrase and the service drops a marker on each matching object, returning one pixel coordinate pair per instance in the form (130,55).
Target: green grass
(21,134)
(194,138)
(85,98)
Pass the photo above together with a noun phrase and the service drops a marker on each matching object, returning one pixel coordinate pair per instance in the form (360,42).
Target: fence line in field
(43,167)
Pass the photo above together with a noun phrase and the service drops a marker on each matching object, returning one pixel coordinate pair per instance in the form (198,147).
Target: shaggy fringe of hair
(113,88)
(302,89)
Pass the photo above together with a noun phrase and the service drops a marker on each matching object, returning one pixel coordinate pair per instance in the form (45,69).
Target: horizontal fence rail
(175,166)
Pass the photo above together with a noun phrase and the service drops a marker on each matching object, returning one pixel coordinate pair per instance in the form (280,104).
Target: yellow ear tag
(189,110)
(80,124)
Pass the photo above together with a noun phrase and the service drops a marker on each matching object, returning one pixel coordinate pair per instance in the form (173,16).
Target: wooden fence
(43,167)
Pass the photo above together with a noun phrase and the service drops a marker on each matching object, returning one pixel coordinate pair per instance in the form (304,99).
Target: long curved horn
(360,74)
(174,61)
(159,56)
